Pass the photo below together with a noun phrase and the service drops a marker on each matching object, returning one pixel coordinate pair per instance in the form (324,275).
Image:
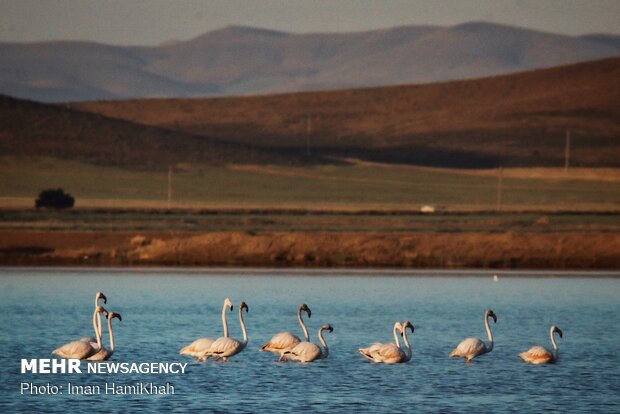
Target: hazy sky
(151,22)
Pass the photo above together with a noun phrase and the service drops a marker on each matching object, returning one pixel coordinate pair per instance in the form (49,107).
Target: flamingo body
(198,347)
(224,348)
(537,355)
(281,342)
(383,353)
(75,350)
(304,352)
(469,348)
(307,351)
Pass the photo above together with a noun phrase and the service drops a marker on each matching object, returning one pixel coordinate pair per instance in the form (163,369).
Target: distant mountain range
(241,60)
(512,120)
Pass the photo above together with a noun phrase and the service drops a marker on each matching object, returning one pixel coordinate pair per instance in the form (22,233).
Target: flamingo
(104,354)
(225,347)
(201,345)
(378,351)
(390,353)
(284,341)
(472,347)
(96,318)
(82,349)
(541,355)
(308,351)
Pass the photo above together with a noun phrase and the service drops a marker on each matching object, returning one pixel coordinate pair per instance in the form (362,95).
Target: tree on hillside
(54,199)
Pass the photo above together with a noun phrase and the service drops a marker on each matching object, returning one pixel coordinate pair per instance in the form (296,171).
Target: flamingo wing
(304,352)
(537,355)
(281,342)
(75,349)
(224,347)
(384,353)
(198,347)
(469,348)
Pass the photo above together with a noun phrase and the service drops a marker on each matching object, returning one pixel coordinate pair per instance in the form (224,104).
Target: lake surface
(164,310)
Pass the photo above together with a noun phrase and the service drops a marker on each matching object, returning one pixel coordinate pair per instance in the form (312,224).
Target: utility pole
(500,176)
(567,151)
(169,186)
(308,132)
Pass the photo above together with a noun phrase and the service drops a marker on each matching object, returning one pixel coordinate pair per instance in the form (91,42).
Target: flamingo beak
(559,331)
(102,296)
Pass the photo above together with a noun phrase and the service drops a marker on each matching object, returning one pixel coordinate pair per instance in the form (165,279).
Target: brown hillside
(33,129)
(513,120)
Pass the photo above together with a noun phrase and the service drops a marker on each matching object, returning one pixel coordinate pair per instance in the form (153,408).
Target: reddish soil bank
(313,249)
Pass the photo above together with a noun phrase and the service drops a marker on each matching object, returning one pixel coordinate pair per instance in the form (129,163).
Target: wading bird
(96,318)
(541,355)
(104,353)
(82,349)
(472,347)
(284,341)
(385,353)
(308,351)
(390,353)
(201,345)
(225,347)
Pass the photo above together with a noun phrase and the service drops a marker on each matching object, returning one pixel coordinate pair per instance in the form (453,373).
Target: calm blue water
(163,310)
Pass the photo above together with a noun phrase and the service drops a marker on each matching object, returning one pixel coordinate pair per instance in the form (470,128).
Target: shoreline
(322,272)
(313,250)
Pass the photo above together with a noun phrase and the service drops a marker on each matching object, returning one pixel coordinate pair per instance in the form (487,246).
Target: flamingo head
(113,315)
(327,327)
(491,314)
(406,325)
(228,302)
(103,310)
(305,307)
(558,330)
(243,306)
(100,295)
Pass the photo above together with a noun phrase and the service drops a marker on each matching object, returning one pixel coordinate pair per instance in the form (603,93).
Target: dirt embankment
(313,249)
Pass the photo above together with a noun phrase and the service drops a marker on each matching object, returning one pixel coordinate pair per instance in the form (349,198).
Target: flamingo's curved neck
(326,350)
(396,339)
(489,347)
(98,328)
(303,325)
(555,346)
(111,334)
(245,332)
(224,322)
(406,340)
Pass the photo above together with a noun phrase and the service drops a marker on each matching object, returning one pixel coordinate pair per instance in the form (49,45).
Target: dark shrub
(54,199)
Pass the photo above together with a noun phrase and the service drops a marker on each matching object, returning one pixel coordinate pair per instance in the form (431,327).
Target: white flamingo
(308,351)
(82,349)
(380,352)
(390,353)
(103,354)
(472,347)
(201,345)
(541,355)
(96,318)
(284,341)
(225,347)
